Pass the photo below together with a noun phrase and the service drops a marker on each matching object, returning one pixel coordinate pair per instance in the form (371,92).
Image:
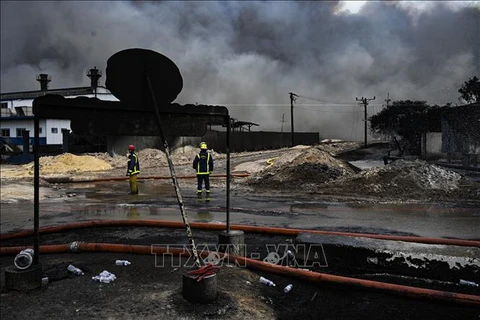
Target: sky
(250,55)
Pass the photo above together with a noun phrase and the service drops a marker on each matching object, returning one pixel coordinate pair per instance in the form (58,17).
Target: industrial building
(17,117)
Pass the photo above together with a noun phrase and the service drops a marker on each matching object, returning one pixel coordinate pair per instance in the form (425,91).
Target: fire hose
(317,277)
(245,228)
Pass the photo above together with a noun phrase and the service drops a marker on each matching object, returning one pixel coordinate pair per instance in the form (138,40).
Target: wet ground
(157,201)
(148,289)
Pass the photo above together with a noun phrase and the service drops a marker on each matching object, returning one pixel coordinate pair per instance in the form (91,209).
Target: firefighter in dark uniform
(203,163)
(133,169)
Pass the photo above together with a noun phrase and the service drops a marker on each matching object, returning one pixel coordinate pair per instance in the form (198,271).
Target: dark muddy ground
(148,289)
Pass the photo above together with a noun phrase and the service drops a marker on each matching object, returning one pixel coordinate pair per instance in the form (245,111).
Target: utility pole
(283,120)
(293,97)
(365,104)
(388,99)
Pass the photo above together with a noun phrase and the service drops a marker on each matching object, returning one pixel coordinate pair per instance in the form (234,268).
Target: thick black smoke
(250,55)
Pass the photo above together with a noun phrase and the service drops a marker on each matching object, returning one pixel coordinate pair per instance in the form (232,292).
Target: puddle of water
(110,200)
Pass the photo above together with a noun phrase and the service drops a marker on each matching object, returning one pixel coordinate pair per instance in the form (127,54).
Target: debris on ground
(399,178)
(321,169)
(105,277)
(297,167)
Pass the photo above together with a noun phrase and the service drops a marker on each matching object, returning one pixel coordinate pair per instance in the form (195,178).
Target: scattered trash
(314,295)
(122,262)
(24,259)
(373,260)
(468,283)
(248,282)
(174,270)
(288,288)
(267,282)
(205,271)
(105,277)
(44,280)
(267,300)
(75,270)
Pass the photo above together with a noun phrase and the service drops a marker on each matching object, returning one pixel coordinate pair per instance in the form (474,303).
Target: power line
(316,110)
(323,100)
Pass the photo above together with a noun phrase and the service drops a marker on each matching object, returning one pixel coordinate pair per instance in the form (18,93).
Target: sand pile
(68,163)
(149,158)
(300,166)
(401,178)
(184,155)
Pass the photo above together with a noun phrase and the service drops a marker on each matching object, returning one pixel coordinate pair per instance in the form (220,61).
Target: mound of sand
(300,166)
(67,163)
(401,178)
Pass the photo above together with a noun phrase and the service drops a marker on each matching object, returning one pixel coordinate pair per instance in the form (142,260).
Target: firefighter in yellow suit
(203,164)
(133,169)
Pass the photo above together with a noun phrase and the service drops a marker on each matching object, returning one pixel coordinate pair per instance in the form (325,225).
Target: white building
(16,113)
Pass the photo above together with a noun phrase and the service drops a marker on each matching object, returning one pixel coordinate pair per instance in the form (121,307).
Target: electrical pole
(365,104)
(388,99)
(283,120)
(293,97)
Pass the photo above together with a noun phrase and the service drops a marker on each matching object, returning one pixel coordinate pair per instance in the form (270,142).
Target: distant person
(203,163)
(133,169)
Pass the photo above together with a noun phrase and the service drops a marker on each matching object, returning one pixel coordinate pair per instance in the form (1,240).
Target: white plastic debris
(267,282)
(105,277)
(122,262)
(75,270)
(288,288)
(468,283)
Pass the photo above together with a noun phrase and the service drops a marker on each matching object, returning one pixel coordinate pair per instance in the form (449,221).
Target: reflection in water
(204,216)
(133,213)
(153,211)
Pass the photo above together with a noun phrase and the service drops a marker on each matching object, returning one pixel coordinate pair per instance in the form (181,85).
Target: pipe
(90,179)
(227,200)
(24,259)
(318,277)
(245,228)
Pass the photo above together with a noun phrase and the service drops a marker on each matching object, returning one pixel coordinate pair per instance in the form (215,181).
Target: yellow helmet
(203,146)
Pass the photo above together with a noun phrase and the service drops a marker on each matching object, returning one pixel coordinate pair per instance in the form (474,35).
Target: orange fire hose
(402,290)
(87,179)
(245,228)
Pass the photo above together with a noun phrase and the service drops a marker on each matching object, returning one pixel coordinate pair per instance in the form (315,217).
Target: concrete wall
(118,145)
(251,141)
(432,146)
(57,126)
(239,141)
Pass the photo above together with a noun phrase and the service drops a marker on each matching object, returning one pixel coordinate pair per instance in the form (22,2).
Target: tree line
(408,119)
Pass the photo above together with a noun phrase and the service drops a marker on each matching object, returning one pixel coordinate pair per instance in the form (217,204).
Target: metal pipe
(36,190)
(228,173)
(172,172)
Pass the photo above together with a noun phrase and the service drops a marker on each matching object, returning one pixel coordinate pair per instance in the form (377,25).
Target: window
(4,105)
(5,132)
(54,130)
(19,131)
(40,130)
